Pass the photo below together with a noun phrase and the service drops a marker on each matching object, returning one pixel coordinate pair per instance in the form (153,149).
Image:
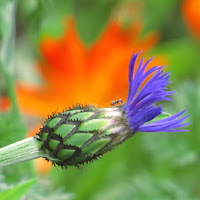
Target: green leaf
(18,191)
(91,17)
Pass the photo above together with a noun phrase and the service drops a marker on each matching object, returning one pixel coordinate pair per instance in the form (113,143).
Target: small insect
(116,102)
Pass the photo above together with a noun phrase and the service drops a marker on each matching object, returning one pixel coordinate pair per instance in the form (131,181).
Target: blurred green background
(147,166)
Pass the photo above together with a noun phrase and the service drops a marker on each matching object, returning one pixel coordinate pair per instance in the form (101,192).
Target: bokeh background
(56,53)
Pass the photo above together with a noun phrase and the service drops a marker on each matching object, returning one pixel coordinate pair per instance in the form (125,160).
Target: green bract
(82,134)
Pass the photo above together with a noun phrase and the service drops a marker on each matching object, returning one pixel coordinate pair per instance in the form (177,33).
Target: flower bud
(83,134)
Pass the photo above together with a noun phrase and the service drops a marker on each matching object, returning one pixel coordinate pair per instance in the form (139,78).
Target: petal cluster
(146,87)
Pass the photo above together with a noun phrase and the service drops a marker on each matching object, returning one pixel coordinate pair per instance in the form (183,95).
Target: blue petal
(140,106)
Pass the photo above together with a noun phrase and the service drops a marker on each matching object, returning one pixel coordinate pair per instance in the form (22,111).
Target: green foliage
(2,23)
(10,123)
(45,18)
(144,186)
(18,191)
(12,126)
(91,17)
(44,189)
(164,16)
(7,32)
(176,50)
(12,129)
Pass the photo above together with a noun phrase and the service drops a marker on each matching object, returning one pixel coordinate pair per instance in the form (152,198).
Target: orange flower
(73,73)
(191,14)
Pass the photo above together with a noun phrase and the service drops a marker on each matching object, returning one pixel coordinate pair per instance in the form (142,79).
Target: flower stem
(7,48)
(26,149)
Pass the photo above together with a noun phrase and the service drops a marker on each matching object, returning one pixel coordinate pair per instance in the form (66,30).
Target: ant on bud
(116,102)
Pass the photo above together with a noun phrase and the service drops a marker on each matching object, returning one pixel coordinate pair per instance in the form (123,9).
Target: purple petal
(140,106)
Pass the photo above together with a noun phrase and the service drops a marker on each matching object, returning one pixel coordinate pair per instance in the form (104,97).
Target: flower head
(140,106)
(84,133)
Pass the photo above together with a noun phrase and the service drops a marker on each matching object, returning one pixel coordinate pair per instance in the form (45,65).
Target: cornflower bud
(84,133)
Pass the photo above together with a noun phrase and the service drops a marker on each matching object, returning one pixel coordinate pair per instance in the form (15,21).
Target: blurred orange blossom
(73,73)
(191,14)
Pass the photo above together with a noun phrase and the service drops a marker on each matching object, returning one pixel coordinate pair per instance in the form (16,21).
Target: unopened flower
(84,133)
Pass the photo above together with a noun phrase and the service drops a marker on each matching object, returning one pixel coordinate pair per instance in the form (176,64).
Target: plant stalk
(23,150)
(7,50)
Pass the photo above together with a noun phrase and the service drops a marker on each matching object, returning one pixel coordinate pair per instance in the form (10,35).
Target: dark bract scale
(83,134)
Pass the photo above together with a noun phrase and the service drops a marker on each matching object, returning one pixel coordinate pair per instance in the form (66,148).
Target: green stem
(7,50)
(23,150)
